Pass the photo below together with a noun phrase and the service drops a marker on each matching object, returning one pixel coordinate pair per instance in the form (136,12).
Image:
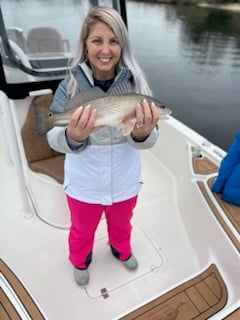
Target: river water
(191,55)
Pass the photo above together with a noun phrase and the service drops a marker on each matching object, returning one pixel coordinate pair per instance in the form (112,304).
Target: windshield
(38,38)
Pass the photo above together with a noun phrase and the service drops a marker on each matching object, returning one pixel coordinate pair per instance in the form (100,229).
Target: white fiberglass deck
(170,240)
(38,252)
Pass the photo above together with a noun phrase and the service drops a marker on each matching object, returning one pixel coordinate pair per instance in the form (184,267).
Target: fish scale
(112,110)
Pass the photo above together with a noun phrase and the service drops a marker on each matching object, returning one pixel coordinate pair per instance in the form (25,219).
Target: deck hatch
(150,261)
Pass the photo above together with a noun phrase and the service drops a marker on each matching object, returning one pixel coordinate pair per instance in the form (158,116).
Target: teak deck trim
(218,215)
(7,310)
(231,211)
(198,299)
(204,166)
(235,315)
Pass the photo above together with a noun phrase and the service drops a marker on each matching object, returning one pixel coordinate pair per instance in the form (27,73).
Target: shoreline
(234,7)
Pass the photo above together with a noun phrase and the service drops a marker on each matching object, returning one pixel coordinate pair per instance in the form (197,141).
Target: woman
(102,168)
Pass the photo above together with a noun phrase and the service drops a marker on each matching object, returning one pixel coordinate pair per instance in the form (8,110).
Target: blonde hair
(111,18)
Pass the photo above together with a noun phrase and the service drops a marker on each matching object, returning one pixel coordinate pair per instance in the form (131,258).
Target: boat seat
(46,39)
(17,35)
(40,157)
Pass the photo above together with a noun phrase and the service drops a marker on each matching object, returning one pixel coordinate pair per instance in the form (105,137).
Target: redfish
(117,110)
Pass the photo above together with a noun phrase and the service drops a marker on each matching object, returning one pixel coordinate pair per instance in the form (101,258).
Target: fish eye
(162,106)
(50,114)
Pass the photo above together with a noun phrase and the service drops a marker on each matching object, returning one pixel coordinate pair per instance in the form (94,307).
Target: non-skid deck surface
(7,310)
(231,211)
(198,299)
(204,166)
(234,315)
(218,215)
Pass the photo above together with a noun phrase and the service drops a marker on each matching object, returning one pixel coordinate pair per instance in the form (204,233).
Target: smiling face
(103,51)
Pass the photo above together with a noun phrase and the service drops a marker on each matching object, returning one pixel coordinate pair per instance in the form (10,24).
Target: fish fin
(84,97)
(127,127)
(43,124)
(122,87)
(130,117)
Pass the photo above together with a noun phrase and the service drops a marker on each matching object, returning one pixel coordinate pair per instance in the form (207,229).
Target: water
(191,55)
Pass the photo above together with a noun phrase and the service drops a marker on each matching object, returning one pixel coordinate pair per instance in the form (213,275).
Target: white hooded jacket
(106,168)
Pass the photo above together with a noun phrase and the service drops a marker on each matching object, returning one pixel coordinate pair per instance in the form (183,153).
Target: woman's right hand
(81,124)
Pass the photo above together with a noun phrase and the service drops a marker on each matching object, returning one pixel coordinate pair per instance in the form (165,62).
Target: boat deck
(199,298)
(32,248)
(168,255)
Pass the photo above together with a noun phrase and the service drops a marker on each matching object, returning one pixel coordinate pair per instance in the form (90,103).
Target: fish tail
(43,123)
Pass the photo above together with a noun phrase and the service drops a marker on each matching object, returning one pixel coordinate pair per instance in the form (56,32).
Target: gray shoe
(131,263)
(81,276)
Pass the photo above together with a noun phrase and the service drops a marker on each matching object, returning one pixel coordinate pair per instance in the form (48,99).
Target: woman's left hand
(147,117)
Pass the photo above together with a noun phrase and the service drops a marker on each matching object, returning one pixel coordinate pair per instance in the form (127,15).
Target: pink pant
(85,218)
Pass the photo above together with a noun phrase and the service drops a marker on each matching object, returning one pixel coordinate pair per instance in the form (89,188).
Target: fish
(113,110)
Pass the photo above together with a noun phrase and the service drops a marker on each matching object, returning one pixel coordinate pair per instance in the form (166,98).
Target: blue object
(228,179)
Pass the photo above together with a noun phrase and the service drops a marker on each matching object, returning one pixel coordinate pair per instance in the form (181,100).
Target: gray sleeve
(61,97)
(58,141)
(56,137)
(148,143)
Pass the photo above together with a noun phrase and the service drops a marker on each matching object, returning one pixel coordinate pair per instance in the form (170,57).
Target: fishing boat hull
(180,230)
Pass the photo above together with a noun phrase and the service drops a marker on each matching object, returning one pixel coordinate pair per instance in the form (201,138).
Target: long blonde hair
(111,18)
